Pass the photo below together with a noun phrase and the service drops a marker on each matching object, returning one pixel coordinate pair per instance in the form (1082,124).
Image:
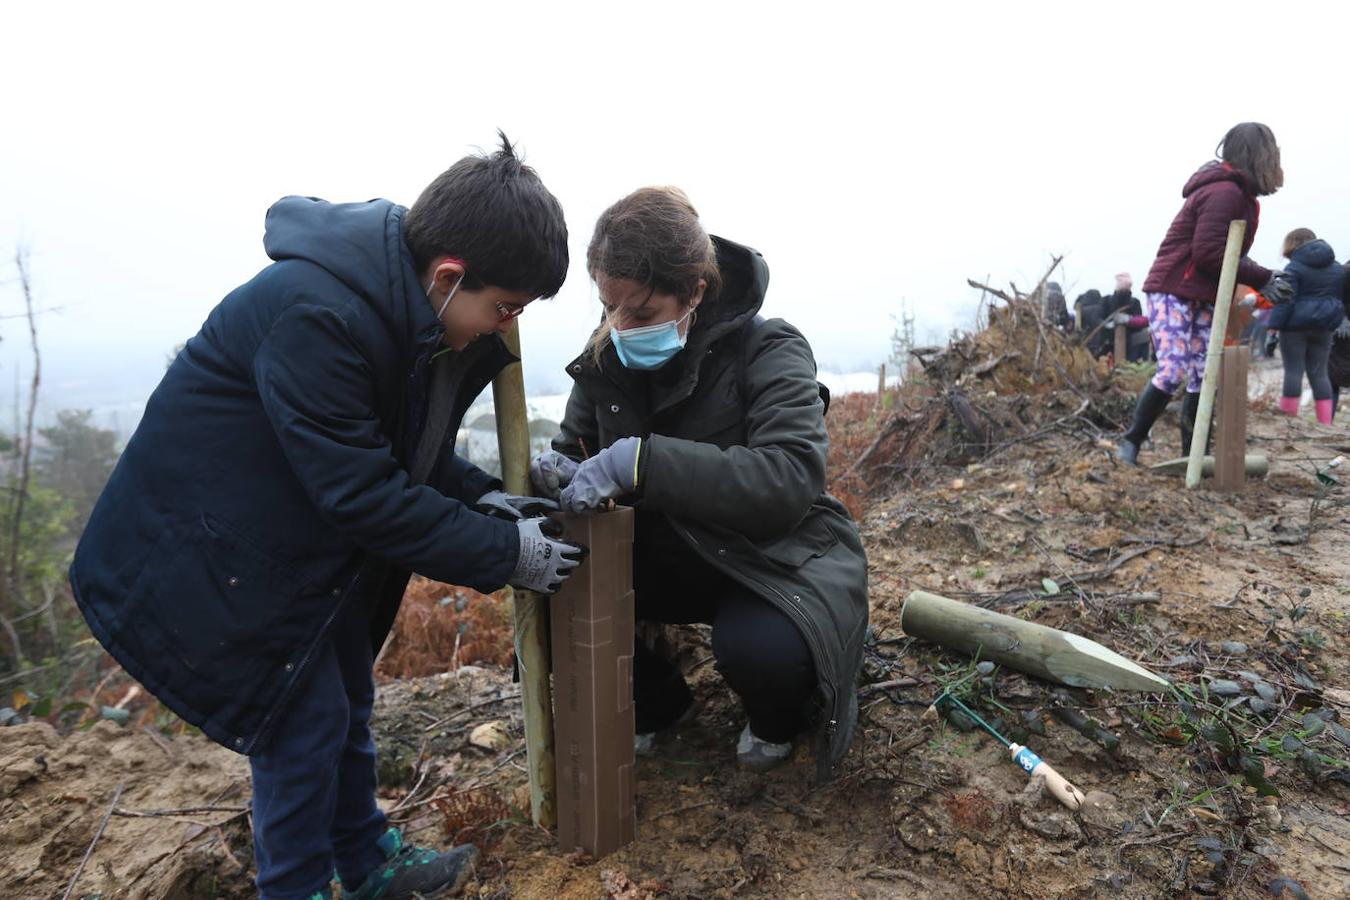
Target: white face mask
(440,312)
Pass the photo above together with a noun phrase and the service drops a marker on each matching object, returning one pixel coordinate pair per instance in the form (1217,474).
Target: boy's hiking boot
(759,755)
(410,871)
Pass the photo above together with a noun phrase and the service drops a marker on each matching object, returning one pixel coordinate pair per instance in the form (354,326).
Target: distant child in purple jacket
(1184,280)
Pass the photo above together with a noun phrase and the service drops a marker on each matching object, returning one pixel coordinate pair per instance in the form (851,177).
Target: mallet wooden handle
(1033,765)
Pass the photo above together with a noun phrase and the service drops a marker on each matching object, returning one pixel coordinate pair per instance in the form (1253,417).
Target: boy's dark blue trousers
(314,778)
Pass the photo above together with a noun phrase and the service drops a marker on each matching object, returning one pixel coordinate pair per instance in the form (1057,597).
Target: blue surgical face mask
(651,346)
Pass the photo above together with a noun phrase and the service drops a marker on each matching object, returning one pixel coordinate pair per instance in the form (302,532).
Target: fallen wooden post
(529,610)
(1230,445)
(1256,465)
(592,624)
(1025,646)
(1232,255)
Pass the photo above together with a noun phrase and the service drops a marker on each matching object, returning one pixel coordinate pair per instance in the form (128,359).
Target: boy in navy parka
(296,463)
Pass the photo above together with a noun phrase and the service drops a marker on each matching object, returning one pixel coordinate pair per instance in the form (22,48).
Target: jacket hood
(361,245)
(1315,254)
(745,280)
(1214,172)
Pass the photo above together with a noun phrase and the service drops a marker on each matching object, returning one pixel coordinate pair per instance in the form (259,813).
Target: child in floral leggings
(1183,283)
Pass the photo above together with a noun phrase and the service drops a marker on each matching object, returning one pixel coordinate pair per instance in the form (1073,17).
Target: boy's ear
(446,272)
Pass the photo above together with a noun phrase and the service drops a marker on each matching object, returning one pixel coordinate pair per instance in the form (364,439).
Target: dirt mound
(181,829)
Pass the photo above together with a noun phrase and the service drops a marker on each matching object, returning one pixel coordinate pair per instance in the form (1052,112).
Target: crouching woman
(708,419)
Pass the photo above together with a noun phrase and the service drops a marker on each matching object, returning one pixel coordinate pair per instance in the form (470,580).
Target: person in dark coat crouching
(709,420)
(251,548)
(1182,284)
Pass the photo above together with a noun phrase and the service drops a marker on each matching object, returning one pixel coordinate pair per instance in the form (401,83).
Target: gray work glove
(544,562)
(550,471)
(610,474)
(1278,289)
(512,507)
(1343,330)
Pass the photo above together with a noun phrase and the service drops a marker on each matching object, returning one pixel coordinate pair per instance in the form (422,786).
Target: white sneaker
(644,743)
(760,755)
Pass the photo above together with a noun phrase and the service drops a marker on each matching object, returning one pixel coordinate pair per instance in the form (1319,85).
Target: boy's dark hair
(493,212)
(1251,147)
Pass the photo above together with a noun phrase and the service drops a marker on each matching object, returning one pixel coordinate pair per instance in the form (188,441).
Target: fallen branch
(180,811)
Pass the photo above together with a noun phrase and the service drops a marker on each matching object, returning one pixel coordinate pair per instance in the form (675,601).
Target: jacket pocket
(214,598)
(814,537)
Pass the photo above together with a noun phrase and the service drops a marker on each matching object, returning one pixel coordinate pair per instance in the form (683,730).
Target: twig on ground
(180,811)
(117,795)
(468,709)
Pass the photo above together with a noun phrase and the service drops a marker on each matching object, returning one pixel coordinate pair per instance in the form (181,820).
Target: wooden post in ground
(1047,653)
(1256,465)
(529,609)
(1122,333)
(1232,255)
(592,624)
(1230,444)
(881,384)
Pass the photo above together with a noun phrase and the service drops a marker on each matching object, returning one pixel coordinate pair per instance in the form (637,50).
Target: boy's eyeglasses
(507,313)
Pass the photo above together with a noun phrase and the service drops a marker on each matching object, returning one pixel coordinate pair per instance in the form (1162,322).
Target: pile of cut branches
(1016,379)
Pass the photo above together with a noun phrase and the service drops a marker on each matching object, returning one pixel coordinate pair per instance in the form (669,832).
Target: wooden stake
(530,610)
(1121,334)
(881,383)
(1256,465)
(1230,445)
(1223,302)
(1035,649)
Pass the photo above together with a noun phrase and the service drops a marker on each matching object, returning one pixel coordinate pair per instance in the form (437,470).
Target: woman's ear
(695,300)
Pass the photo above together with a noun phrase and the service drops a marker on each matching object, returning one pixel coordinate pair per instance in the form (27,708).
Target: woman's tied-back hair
(1295,239)
(493,212)
(1251,147)
(653,237)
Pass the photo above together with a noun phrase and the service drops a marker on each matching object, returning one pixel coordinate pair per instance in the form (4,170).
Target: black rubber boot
(1190,405)
(1151,404)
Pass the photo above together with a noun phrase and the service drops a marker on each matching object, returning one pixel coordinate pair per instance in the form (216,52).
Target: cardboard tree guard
(592,632)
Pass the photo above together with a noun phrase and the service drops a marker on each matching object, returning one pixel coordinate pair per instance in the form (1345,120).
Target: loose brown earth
(917,810)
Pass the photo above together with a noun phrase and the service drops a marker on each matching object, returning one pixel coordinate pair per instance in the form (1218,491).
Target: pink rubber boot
(1323,408)
(1289,406)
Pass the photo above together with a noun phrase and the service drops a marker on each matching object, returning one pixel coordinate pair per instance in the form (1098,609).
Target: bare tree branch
(25,458)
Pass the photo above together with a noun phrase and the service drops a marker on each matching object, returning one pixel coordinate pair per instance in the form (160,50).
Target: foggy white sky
(872,153)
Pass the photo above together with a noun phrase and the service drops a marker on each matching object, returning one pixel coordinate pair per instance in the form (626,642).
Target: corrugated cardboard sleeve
(592,630)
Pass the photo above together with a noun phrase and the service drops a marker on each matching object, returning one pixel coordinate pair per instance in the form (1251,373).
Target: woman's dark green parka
(734,458)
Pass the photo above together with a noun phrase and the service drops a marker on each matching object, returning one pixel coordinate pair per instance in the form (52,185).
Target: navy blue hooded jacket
(267,486)
(1318,283)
